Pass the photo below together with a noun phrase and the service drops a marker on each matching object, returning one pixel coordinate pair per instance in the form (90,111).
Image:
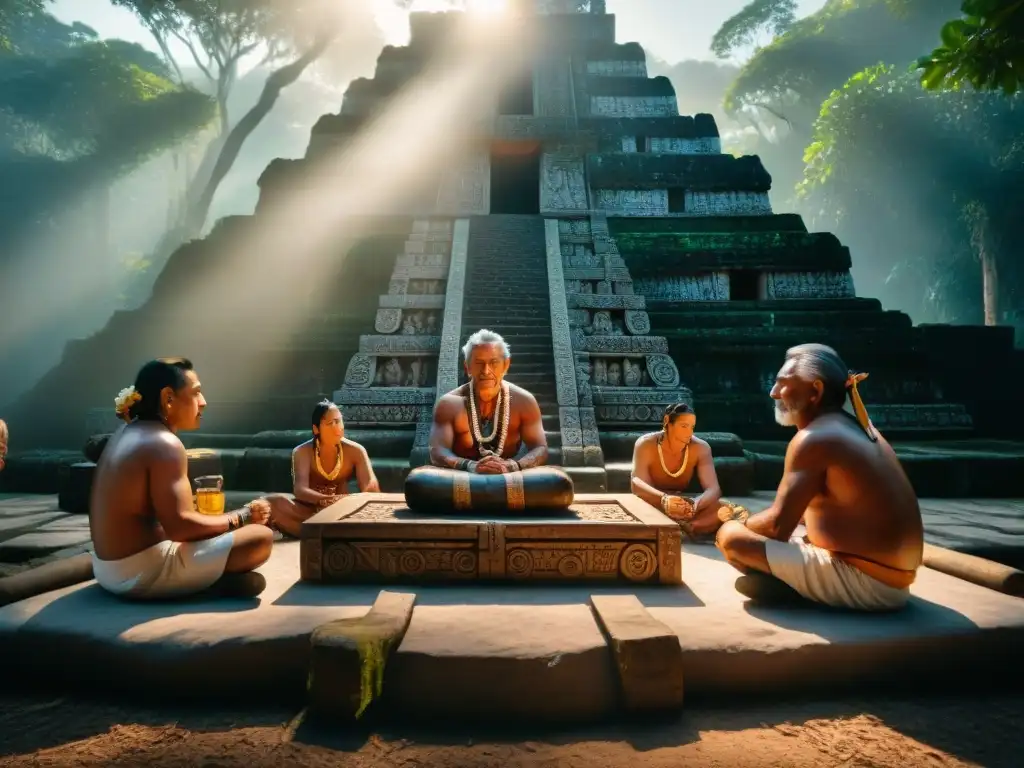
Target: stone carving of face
(614,375)
(393,372)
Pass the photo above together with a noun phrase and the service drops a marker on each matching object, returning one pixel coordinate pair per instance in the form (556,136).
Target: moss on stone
(705,173)
(780,222)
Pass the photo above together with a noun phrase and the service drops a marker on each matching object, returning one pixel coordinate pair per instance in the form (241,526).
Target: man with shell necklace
(663,466)
(481,426)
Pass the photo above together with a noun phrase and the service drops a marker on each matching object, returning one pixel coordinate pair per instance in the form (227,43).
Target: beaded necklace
(474,420)
(682,467)
(333,474)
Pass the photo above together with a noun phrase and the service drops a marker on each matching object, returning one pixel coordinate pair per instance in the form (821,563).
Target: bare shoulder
(353,448)
(522,397)
(647,443)
(820,440)
(703,447)
(160,445)
(303,448)
(449,406)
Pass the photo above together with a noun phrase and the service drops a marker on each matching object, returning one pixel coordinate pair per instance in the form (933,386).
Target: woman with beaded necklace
(664,463)
(321,470)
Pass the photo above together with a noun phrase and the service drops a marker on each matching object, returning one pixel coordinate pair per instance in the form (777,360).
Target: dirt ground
(42,732)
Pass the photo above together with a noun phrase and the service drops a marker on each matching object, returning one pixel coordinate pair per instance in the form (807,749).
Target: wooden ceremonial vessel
(435,490)
(376,538)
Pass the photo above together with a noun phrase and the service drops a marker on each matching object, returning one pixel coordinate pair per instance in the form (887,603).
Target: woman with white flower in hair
(148,540)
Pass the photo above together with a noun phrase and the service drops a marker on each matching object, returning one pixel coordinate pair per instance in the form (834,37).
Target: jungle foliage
(921,182)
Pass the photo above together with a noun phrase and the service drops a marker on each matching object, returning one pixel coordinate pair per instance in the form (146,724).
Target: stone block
(39,544)
(646,652)
(16,522)
(36,471)
(588,479)
(768,470)
(267,468)
(75,487)
(349,656)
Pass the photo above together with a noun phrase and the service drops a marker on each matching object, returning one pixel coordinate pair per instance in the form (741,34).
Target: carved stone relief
(632,202)
(573,228)
(399,344)
(388,321)
(403,301)
(451,330)
(707,287)
(726,204)
(608,332)
(401,372)
(360,371)
(563,184)
(617,68)
(709,145)
(465,187)
(392,371)
(810,285)
(638,323)
(634,106)
(565,377)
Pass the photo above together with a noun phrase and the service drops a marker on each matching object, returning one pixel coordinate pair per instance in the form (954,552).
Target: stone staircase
(507,292)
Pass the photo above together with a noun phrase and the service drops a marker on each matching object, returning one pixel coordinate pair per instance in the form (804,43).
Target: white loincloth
(167,569)
(816,575)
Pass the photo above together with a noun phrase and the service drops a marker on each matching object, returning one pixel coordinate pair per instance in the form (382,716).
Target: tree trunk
(990,286)
(277,82)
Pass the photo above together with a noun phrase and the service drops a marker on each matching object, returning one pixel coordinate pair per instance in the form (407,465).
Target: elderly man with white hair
(479,426)
(864,538)
(487,443)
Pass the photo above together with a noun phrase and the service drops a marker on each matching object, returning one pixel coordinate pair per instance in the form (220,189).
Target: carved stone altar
(601,537)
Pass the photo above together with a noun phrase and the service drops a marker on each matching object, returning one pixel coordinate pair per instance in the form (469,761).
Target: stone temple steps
(507,292)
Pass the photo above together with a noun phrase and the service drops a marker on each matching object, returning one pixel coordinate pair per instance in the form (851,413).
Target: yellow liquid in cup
(210,501)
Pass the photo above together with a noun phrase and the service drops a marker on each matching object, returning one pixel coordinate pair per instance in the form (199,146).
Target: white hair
(484,336)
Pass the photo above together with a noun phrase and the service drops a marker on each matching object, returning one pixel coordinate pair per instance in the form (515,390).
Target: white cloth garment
(166,569)
(816,575)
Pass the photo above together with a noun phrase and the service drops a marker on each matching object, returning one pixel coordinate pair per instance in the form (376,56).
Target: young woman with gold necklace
(321,471)
(664,463)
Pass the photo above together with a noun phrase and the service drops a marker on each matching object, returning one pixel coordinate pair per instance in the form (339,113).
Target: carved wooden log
(46,578)
(440,491)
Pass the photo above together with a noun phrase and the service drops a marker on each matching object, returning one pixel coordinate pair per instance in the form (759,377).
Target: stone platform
(601,537)
(527,651)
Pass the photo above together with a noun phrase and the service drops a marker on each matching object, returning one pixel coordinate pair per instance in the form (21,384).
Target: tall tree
(291,34)
(984,48)
(755,20)
(925,185)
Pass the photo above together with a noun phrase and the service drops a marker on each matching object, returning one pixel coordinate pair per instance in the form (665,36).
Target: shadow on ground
(881,732)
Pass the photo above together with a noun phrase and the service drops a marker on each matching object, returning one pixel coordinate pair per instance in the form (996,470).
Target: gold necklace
(333,474)
(682,468)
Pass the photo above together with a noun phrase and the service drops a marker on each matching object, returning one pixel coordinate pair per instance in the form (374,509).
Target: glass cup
(210,495)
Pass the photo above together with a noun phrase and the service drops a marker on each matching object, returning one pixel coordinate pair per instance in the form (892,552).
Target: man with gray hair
(864,535)
(480,426)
